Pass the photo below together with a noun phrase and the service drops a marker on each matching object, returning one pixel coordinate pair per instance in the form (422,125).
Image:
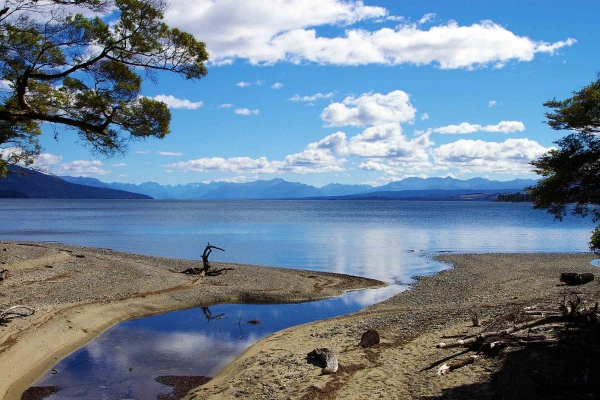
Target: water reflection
(124,361)
(386,240)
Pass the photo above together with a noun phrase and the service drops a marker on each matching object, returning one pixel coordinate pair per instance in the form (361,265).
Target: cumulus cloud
(243,84)
(226,105)
(492,103)
(312,98)
(286,31)
(370,109)
(4,85)
(246,111)
(426,18)
(169,153)
(465,127)
(308,161)
(81,168)
(511,156)
(173,102)
(381,141)
(424,117)
(119,165)
(277,85)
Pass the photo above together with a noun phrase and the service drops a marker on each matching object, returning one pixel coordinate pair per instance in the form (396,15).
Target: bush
(595,240)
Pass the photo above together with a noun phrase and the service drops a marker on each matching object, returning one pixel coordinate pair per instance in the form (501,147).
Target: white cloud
(81,168)
(121,176)
(370,109)
(377,166)
(511,156)
(465,127)
(4,85)
(424,117)
(173,102)
(426,18)
(169,153)
(492,103)
(314,97)
(235,179)
(396,18)
(381,141)
(246,111)
(142,152)
(226,105)
(308,161)
(120,165)
(277,85)
(243,84)
(286,31)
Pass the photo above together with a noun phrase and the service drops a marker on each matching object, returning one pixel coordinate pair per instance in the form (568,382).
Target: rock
(369,339)
(572,278)
(327,358)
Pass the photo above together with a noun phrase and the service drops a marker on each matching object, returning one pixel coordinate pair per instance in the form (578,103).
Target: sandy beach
(410,324)
(80,292)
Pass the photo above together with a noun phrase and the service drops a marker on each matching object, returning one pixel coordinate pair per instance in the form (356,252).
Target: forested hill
(23,183)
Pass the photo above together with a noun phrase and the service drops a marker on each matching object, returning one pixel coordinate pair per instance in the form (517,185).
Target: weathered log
(444,369)
(12,311)
(327,358)
(574,279)
(205,264)
(369,339)
(519,327)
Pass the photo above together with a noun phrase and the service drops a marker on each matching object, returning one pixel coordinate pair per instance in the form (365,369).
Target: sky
(342,91)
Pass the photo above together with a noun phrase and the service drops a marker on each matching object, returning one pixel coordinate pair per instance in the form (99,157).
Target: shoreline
(80,292)
(410,324)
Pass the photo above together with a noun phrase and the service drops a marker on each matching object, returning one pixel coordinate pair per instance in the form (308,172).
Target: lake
(387,240)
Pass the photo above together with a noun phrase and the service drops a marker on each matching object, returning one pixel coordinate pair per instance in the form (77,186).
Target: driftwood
(3,274)
(485,335)
(327,358)
(205,270)
(444,369)
(4,314)
(574,279)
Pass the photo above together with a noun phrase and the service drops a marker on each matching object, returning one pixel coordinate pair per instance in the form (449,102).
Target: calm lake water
(387,240)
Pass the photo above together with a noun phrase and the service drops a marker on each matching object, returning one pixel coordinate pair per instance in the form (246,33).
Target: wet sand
(410,324)
(80,292)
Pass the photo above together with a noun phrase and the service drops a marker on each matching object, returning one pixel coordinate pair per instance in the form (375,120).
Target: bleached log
(519,327)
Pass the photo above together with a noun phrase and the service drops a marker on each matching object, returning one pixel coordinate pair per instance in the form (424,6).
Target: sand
(80,292)
(410,324)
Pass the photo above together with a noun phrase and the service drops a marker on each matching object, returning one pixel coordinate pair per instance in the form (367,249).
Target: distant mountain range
(280,189)
(24,183)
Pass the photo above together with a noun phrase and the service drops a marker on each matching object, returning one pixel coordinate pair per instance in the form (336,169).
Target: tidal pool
(126,360)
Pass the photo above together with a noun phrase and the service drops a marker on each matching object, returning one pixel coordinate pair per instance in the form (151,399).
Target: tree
(571,172)
(84,73)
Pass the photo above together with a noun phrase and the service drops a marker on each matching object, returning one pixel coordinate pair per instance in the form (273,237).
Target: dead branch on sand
(4,314)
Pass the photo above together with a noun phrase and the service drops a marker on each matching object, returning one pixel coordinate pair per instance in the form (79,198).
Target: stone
(369,339)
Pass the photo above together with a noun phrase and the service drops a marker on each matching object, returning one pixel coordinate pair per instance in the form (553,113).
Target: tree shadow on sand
(568,369)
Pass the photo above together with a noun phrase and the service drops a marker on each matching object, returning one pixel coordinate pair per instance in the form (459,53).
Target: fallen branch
(444,369)
(12,311)
(519,327)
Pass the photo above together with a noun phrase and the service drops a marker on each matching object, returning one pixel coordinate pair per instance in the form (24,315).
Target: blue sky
(322,91)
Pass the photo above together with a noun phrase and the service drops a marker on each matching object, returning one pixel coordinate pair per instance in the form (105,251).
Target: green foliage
(595,240)
(571,172)
(84,73)
(515,198)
